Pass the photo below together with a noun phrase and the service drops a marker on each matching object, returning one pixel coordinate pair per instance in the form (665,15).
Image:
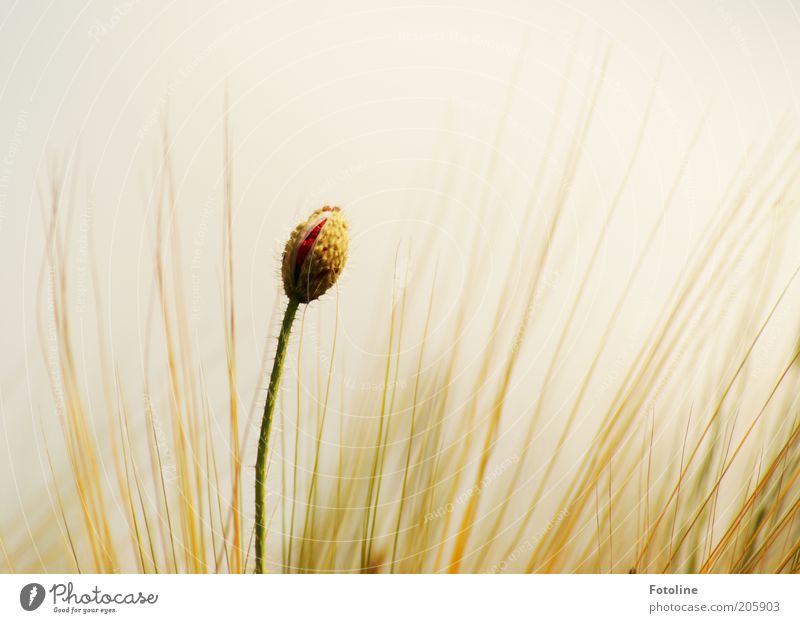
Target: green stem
(266,422)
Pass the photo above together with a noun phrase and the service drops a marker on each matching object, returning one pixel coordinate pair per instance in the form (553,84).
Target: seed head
(314,255)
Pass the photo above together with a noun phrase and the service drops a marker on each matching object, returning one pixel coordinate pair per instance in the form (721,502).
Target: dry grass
(422,476)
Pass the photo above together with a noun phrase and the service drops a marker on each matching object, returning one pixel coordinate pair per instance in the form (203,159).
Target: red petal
(305,246)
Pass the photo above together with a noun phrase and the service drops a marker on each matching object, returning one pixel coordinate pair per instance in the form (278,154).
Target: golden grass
(678,476)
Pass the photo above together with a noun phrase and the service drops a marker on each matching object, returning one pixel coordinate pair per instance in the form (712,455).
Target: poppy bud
(315,255)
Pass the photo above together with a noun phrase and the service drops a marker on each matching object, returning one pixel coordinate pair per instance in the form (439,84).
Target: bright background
(393,111)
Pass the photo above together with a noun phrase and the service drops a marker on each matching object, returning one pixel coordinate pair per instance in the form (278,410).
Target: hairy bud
(315,255)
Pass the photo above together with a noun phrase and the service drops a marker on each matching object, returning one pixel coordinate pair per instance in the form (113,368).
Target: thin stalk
(412,433)
(266,421)
(310,504)
(296,455)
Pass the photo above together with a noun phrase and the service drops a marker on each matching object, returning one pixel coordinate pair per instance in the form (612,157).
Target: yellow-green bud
(315,255)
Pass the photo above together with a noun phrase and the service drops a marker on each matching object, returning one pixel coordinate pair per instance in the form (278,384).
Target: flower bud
(315,255)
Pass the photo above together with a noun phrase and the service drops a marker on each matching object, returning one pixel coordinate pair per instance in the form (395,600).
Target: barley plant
(525,441)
